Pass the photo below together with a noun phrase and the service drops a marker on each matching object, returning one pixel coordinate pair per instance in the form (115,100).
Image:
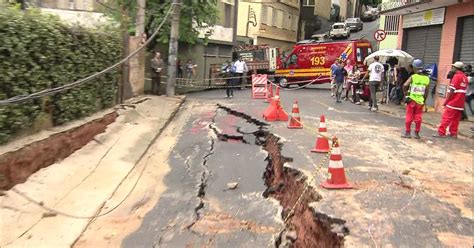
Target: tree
(371,2)
(195,15)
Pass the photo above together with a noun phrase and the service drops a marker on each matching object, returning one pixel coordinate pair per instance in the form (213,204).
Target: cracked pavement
(196,209)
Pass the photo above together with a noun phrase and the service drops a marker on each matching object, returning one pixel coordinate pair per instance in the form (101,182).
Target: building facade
(323,9)
(268,22)
(437,31)
(347,9)
(210,56)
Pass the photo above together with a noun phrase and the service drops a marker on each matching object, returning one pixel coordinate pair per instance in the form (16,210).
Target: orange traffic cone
(269,92)
(295,121)
(336,169)
(275,112)
(322,144)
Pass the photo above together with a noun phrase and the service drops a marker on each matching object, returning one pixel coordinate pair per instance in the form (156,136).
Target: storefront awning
(395,8)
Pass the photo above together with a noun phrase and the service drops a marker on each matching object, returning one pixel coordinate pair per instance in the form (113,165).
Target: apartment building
(269,22)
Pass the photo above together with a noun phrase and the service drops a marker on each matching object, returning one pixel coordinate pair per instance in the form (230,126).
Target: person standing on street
(416,91)
(179,69)
(240,69)
(347,84)
(340,75)
(229,71)
(156,68)
(454,103)
(190,70)
(334,66)
(376,71)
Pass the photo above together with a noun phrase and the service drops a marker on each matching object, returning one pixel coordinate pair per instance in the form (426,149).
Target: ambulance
(312,61)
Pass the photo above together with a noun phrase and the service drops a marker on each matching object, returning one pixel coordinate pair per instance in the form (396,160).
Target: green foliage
(195,14)
(38,52)
(371,2)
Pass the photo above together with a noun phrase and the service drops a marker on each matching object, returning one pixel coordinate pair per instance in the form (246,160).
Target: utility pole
(140,22)
(173,48)
(125,50)
(235,25)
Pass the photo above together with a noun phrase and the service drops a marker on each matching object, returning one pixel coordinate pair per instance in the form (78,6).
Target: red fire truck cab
(312,61)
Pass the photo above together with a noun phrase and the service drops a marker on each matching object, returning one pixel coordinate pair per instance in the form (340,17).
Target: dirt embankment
(17,166)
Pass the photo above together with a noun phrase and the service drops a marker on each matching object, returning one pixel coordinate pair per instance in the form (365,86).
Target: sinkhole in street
(305,227)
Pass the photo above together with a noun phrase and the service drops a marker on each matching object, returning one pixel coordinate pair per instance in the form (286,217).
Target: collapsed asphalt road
(199,210)
(407,192)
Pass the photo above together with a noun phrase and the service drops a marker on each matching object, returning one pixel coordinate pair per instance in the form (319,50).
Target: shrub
(38,52)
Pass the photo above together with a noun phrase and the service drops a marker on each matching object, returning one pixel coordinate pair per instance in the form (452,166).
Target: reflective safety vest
(418,87)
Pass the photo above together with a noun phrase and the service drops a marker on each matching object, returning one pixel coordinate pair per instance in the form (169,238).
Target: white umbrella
(404,58)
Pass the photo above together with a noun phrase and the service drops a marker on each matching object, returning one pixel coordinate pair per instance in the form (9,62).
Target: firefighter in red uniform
(454,103)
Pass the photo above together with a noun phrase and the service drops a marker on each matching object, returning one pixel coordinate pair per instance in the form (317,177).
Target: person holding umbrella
(416,91)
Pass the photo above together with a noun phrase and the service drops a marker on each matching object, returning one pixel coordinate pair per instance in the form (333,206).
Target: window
(225,51)
(228,15)
(287,21)
(270,18)
(391,25)
(279,20)
(359,55)
(293,59)
(308,3)
(211,50)
(362,53)
(294,24)
(274,17)
(264,17)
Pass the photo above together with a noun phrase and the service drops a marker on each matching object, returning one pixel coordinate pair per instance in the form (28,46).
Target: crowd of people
(409,85)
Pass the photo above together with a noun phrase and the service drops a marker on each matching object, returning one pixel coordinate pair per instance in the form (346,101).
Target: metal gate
(423,43)
(466,49)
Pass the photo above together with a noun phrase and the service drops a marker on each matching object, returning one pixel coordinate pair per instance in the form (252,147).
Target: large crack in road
(310,228)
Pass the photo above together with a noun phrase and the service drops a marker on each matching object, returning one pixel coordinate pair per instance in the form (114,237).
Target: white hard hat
(458,65)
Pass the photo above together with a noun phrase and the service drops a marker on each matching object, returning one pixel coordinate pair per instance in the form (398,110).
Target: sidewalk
(82,185)
(429,118)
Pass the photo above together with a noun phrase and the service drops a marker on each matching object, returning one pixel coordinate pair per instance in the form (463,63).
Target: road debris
(232,185)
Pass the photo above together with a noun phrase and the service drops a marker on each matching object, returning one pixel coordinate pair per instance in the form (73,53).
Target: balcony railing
(391,5)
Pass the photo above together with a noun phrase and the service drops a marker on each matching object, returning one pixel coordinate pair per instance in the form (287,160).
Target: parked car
(375,12)
(354,24)
(320,37)
(368,16)
(339,30)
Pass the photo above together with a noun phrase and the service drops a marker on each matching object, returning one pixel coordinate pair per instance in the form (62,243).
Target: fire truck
(312,61)
(261,59)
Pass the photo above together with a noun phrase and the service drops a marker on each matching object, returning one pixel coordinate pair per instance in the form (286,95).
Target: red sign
(380,35)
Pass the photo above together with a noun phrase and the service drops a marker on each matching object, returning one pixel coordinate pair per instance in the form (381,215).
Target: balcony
(404,7)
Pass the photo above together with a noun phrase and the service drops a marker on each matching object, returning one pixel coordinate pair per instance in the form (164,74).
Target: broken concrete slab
(79,186)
